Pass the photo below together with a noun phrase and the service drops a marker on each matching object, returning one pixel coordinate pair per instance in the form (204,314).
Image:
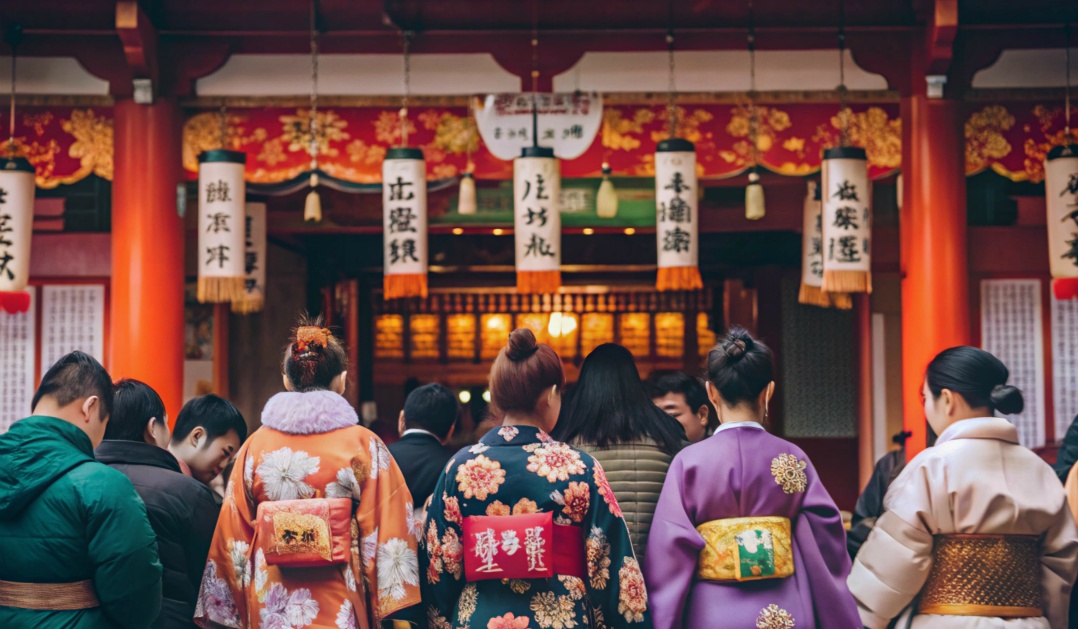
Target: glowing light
(465,396)
(588,231)
(486,396)
(629,231)
(498,231)
(561,324)
(457,231)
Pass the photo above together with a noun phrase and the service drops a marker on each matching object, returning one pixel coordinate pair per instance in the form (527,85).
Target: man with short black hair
(76,546)
(208,432)
(426,425)
(183,511)
(684,398)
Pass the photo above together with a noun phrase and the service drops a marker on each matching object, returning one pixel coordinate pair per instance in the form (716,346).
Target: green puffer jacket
(64,517)
(636,472)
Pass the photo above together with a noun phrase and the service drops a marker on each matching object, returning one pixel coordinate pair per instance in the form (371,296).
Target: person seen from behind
(182,511)
(208,432)
(426,425)
(683,397)
(976,494)
(76,547)
(869,505)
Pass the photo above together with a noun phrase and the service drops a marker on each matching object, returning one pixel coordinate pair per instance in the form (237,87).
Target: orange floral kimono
(310,446)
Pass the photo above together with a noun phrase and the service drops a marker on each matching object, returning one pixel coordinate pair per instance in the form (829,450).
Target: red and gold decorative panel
(1013,139)
(64,144)
(634,332)
(596,328)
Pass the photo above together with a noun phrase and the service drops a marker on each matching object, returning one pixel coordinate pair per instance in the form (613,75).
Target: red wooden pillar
(147,250)
(935,283)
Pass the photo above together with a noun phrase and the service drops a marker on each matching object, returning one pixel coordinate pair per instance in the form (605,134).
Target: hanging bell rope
(754,192)
(312,209)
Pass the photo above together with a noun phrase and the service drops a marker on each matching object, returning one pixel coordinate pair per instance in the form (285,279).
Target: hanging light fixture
(404,208)
(847,202)
(754,192)
(312,208)
(676,198)
(16,209)
(1061,191)
(811,292)
(222,242)
(254,262)
(606,201)
(466,202)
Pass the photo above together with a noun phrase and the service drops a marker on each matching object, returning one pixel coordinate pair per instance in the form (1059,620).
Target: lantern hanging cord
(844,131)
(754,121)
(1067,92)
(223,121)
(13,37)
(535,47)
(671,87)
(407,36)
(313,149)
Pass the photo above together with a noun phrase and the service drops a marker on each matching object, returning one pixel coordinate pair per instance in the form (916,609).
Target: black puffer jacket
(182,513)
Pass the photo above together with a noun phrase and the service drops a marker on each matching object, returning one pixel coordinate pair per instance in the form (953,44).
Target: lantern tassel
(219,290)
(466,204)
(606,201)
(401,285)
(847,281)
(1065,288)
(248,305)
(14,302)
(538,282)
(815,296)
(754,198)
(679,278)
(312,209)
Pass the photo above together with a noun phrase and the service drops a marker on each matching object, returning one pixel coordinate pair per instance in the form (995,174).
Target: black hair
(609,405)
(431,407)
(135,403)
(662,382)
(75,376)
(314,356)
(978,376)
(216,415)
(740,367)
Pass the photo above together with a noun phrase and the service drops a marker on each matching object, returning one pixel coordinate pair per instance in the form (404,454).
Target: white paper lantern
(1061,189)
(812,256)
(254,263)
(847,221)
(404,222)
(16,232)
(221,225)
(537,220)
(677,217)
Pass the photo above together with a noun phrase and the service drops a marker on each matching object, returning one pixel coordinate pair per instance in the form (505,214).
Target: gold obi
(745,549)
(984,575)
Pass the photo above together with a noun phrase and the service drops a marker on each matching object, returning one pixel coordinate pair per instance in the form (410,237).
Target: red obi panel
(526,546)
(305,533)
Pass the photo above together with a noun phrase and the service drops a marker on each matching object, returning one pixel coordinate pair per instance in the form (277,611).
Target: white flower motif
(283,474)
(249,470)
(346,618)
(479,448)
(288,611)
(398,566)
(345,486)
(241,565)
(215,602)
(380,457)
(508,432)
(370,548)
(349,578)
(261,573)
(409,514)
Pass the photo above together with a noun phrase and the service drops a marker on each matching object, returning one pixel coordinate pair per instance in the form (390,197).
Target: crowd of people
(623,502)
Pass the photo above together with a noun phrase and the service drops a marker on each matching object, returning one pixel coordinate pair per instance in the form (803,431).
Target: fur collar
(308,413)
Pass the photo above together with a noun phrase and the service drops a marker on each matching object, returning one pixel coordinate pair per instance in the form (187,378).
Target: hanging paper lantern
(1061,188)
(466,203)
(606,201)
(847,221)
(537,220)
(812,257)
(754,198)
(404,221)
(254,262)
(16,231)
(677,220)
(221,225)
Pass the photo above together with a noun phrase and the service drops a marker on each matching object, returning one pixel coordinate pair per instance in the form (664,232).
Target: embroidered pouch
(746,549)
(527,546)
(305,533)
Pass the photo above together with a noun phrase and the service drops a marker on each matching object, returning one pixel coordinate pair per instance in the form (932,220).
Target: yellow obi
(745,549)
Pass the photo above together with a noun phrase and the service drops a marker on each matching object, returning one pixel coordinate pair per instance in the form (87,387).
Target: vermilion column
(935,283)
(146,340)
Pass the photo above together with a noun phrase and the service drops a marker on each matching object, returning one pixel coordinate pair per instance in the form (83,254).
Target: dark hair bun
(1007,399)
(736,344)
(522,345)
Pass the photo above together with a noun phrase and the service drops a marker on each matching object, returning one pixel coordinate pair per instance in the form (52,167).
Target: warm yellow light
(457,231)
(629,231)
(486,396)
(588,231)
(465,396)
(498,231)
(496,322)
(561,325)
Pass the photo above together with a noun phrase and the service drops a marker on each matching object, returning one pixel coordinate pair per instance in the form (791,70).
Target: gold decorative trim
(789,472)
(774,617)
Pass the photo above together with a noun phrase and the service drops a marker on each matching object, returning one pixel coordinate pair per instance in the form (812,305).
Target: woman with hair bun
(976,533)
(745,535)
(317,526)
(524,531)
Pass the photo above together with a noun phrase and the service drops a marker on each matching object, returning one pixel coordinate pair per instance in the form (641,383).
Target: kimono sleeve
(441,556)
(674,546)
(615,583)
(123,551)
(386,526)
(222,599)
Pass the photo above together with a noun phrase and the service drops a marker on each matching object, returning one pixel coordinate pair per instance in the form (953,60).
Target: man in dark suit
(426,425)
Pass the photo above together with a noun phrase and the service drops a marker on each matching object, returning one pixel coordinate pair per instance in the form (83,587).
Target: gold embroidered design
(789,471)
(774,617)
(300,533)
(984,137)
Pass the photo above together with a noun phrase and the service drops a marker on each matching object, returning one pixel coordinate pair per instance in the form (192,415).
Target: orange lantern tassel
(679,278)
(538,282)
(403,285)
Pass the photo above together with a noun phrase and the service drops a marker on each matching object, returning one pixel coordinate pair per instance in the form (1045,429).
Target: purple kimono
(744,471)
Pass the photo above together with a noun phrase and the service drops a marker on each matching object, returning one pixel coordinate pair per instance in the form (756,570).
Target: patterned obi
(745,549)
(305,533)
(528,546)
(984,575)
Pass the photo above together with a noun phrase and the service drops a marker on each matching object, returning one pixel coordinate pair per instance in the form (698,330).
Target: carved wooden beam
(139,39)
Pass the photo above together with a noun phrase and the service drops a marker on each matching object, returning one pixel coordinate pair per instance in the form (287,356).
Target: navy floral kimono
(522,471)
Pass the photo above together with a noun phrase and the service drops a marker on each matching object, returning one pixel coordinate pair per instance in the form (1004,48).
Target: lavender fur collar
(308,413)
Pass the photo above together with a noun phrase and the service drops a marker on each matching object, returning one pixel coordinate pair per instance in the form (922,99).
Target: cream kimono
(975,480)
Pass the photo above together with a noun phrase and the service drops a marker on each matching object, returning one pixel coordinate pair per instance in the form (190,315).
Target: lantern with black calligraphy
(537,220)
(404,221)
(221,226)
(1061,189)
(254,261)
(16,230)
(676,216)
(812,293)
(847,221)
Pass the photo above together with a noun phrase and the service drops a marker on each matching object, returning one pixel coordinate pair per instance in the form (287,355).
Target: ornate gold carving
(789,471)
(774,617)
(300,533)
(872,129)
(984,136)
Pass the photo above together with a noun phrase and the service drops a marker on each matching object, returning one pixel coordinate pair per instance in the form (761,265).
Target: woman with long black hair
(611,417)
